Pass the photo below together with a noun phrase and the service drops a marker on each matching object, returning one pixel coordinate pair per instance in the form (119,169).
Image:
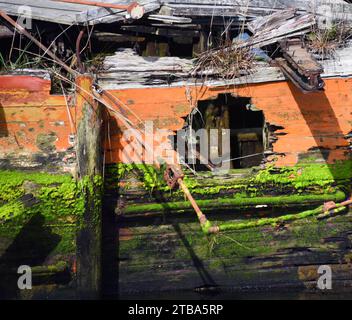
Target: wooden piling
(89,171)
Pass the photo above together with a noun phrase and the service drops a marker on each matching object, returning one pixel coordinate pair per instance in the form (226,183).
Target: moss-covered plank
(182,258)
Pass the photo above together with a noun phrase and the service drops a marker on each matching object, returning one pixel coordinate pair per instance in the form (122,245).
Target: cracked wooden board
(262,260)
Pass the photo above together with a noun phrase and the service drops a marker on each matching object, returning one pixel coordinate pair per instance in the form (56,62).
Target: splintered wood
(273,28)
(127,66)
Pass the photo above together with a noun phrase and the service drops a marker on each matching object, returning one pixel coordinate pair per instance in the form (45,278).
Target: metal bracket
(171,175)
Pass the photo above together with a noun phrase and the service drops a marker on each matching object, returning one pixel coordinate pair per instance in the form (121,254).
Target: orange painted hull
(309,121)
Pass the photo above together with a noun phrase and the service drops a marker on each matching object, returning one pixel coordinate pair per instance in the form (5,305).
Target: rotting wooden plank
(46,4)
(66,13)
(285,27)
(272,21)
(220,8)
(169,19)
(128,69)
(103,15)
(340,9)
(64,16)
(341,65)
(209,10)
(339,6)
(260,258)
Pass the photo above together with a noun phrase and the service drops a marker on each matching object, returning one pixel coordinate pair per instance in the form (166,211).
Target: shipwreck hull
(152,244)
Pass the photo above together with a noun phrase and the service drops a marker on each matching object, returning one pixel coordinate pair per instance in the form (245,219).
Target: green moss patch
(59,200)
(305,175)
(274,221)
(56,197)
(12,182)
(303,178)
(150,177)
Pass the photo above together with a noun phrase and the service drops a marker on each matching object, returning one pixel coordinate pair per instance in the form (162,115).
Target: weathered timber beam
(165,32)
(90,170)
(116,37)
(300,66)
(169,19)
(230,10)
(272,21)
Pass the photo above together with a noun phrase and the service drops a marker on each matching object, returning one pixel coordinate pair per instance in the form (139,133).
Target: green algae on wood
(56,197)
(237,202)
(302,178)
(261,255)
(12,182)
(150,177)
(304,175)
(274,221)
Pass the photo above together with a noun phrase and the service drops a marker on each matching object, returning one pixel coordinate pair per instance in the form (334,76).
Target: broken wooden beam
(272,21)
(300,66)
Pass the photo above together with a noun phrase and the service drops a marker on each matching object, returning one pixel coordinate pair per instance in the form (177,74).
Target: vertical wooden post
(224,123)
(201,45)
(89,170)
(156,49)
(217,116)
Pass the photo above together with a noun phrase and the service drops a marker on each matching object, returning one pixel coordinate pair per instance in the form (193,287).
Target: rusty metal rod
(24,32)
(345,203)
(329,207)
(78,51)
(204,222)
